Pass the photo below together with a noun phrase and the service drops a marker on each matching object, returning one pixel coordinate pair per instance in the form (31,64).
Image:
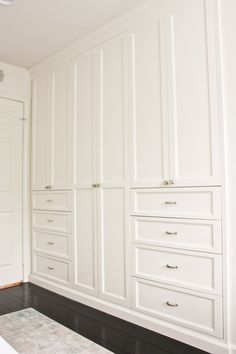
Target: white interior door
(11,140)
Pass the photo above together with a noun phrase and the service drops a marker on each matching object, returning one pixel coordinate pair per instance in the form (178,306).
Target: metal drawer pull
(171,233)
(50,268)
(170,203)
(50,220)
(171,304)
(50,200)
(50,243)
(171,267)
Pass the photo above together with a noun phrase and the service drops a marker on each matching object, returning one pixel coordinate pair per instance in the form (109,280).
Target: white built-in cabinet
(127,136)
(52,130)
(101,171)
(174,107)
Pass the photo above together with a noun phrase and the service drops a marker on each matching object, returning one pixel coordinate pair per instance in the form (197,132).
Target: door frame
(26,240)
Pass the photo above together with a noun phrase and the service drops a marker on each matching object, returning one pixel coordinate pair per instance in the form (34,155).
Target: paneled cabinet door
(40,131)
(60,129)
(85,233)
(111,88)
(192,91)
(148,129)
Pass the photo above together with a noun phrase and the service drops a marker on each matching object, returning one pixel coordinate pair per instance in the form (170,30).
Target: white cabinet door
(111,84)
(11,139)
(149,148)
(60,132)
(40,131)
(85,233)
(194,138)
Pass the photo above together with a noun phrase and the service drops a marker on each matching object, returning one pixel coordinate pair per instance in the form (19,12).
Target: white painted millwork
(196,235)
(54,221)
(193,203)
(126,134)
(52,130)
(191,270)
(57,201)
(11,193)
(199,311)
(173,59)
(51,243)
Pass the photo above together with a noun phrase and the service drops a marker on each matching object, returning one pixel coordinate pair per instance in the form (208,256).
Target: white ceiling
(32,30)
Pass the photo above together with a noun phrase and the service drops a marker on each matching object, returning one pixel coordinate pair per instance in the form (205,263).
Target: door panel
(40,127)
(60,151)
(10,191)
(194,139)
(111,88)
(85,277)
(85,241)
(112,245)
(149,158)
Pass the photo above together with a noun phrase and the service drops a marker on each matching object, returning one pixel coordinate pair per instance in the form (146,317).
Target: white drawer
(201,203)
(60,201)
(195,270)
(57,245)
(56,270)
(55,221)
(187,308)
(198,235)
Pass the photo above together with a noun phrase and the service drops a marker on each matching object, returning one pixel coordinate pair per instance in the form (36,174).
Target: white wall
(228,38)
(16,82)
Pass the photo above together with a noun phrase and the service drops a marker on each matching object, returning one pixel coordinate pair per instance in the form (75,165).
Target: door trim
(26,247)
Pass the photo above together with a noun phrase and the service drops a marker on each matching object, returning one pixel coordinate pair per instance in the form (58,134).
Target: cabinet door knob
(50,200)
(171,304)
(170,203)
(94,185)
(171,181)
(171,267)
(50,243)
(165,182)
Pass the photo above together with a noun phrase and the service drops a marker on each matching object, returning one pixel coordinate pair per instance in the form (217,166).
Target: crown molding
(113,28)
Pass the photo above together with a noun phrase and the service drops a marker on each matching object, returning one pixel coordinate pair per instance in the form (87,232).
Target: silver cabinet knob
(50,243)
(50,220)
(165,182)
(50,268)
(50,200)
(171,267)
(48,187)
(171,181)
(94,185)
(98,185)
(170,203)
(171,304)
(171,233)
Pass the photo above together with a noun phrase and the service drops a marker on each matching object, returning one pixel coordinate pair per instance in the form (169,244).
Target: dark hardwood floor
(119,336)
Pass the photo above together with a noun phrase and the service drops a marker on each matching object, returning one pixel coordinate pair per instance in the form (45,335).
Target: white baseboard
(204,342)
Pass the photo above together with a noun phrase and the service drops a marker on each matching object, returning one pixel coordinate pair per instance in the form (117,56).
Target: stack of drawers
(52,228)
(177,256)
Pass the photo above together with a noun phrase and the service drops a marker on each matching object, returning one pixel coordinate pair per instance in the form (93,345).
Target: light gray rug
(30,332)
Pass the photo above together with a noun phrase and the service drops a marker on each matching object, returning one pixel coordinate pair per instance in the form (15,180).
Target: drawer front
(52,221)
(51,268)
(186,203)
(198,235)
(60,201)
(198,271)
(189,309)
(57,245)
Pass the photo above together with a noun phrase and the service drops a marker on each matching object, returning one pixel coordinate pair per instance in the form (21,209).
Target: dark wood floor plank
(121,337)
